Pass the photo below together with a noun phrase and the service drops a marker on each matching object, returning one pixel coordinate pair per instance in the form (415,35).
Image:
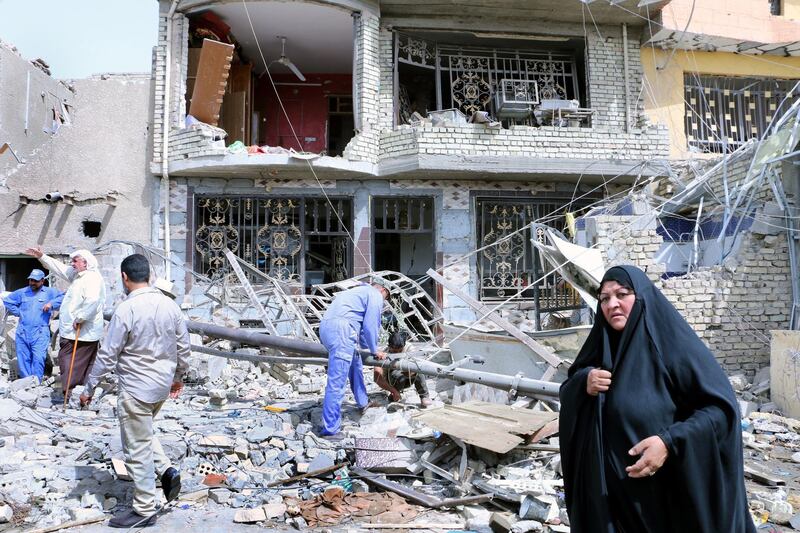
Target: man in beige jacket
(147,345)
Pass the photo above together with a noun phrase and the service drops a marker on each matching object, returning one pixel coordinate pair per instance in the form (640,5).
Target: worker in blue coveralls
(353,319)
(33,305)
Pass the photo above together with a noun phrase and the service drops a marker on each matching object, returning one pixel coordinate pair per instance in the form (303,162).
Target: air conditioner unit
(516,98)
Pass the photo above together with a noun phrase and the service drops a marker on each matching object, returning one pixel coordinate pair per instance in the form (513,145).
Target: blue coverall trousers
(31,344)
(340,338)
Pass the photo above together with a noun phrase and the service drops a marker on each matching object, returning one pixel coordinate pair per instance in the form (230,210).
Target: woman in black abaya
(649,425)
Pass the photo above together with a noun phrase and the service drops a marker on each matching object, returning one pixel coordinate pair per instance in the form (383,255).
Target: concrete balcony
(522,151)
(409,152)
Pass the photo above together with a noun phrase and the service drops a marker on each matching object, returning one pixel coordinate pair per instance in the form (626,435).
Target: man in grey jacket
(147,345)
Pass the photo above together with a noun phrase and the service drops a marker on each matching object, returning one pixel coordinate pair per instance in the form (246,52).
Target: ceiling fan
(284,60)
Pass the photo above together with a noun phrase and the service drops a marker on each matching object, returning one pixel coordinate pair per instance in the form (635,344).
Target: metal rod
(261,358)
(414,496)
(695,239)
(529,387)
(282,344)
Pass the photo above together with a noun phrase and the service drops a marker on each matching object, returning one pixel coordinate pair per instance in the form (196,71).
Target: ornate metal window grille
(513,263)
(277,235)
(724,113)
(468,77)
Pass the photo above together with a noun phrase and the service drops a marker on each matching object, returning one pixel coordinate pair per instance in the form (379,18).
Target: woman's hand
(653,453)
(598,380)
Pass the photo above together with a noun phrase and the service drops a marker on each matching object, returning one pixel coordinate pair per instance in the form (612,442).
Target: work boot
(425,402)
(129,519)
(171,483)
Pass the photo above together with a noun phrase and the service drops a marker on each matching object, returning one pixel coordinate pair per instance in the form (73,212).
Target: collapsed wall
(732,307)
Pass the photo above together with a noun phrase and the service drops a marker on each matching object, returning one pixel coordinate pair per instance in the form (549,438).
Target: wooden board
(212,76)
(495,427)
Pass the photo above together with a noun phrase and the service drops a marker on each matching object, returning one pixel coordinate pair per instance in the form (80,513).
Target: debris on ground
(244,436)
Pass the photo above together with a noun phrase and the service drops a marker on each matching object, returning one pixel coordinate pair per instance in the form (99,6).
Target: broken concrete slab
(385,455)
(784,375)
(8,409)
(250,516)
(216,441)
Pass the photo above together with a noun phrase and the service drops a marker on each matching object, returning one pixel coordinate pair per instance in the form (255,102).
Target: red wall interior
(307,107)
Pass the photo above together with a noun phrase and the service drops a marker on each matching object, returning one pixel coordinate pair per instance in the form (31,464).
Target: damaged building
(485,162)
(406,136)
(73,163)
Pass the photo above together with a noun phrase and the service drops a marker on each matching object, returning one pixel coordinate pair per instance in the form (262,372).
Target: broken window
(295,239)
(279,88)
(513,263)
(508,80)
(724,113)
(403,238)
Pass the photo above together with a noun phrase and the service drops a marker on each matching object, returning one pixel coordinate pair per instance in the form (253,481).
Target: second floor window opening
(507,82)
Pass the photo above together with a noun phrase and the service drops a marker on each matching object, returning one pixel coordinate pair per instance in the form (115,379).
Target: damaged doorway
(341,125)
(403,236)
(14,272)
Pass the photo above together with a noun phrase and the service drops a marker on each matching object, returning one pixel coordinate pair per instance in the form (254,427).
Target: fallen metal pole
(526,386)
(417,497)
(283,344)
(261,358)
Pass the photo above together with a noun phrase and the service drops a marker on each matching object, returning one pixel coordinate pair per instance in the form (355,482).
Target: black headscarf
(664,382)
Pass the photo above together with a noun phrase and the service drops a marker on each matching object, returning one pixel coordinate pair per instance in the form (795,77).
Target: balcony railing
(474,79)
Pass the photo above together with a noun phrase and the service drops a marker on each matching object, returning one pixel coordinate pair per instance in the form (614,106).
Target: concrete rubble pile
(771,454)
(247,453)
(243,436)
(244,441)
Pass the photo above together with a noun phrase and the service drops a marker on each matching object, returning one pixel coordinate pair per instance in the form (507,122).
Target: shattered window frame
(252,226)
(723,113)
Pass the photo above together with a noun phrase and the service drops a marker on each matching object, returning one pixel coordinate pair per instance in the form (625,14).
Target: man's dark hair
(397,340)
(136,267)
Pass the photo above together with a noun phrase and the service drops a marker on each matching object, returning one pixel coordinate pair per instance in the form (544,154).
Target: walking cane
(71,363)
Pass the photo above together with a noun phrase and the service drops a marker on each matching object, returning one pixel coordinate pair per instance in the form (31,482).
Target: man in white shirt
(147,345)
(82,306)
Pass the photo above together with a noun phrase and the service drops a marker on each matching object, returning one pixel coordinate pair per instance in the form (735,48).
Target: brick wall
(545,142)
(606,76)
(364,146)
(732,307)
(196,141)
(180,37)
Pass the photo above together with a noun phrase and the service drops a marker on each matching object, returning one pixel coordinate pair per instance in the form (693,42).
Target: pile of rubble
(242,435)
(243,438)
(771,454)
